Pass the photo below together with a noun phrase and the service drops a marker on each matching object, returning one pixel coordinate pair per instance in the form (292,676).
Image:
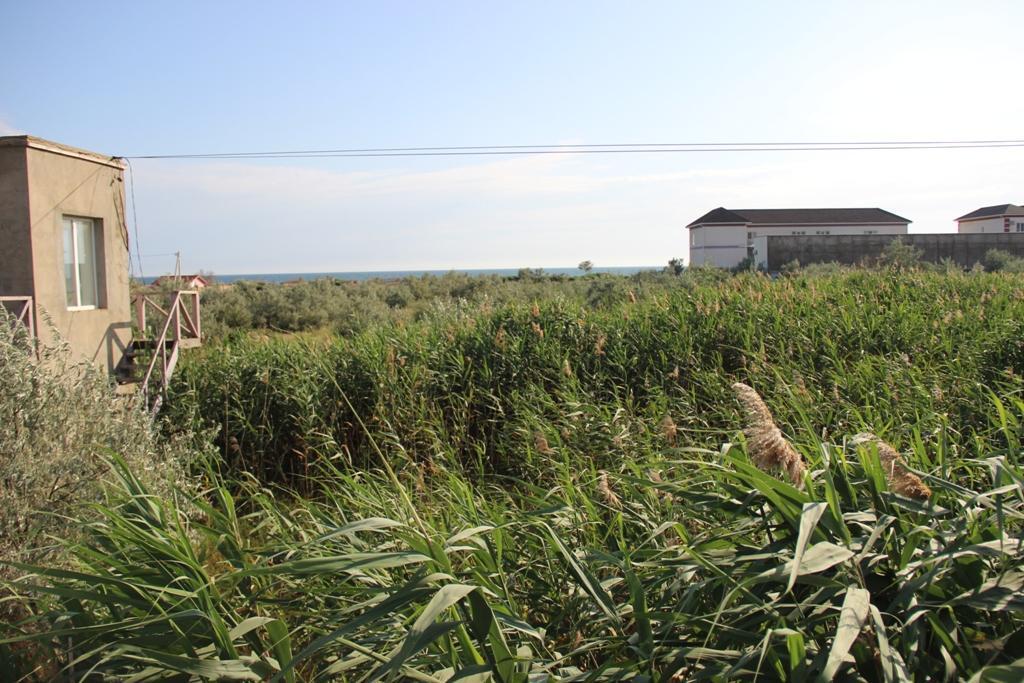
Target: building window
(751,235)
(870,232)
(799,232)
(821,232)
(1020,227)
(80,267)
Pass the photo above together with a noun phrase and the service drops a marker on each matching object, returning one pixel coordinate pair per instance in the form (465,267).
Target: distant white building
(999,218)
(182,281)
(724,237)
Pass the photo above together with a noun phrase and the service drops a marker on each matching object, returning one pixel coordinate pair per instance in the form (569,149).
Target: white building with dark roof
(725,237)
(999,218)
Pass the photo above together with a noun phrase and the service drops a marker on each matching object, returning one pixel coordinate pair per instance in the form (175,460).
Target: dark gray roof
(797,216)
(719,215)
(997,210)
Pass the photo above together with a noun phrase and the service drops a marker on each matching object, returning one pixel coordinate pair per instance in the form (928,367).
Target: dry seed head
(655,477)
(674,375)
(535,311)
(420,483)
(499,338)
(901,480)
(669,430)
(608,496)
(541,444)
(599,345)
(767,447)
(537,330)
(566,368)
(631,296)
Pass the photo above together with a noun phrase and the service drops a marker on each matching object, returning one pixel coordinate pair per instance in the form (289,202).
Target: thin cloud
(536,211)
(519,176)
(8,129)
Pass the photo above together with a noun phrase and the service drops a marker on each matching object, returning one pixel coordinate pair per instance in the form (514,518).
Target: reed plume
(767,447)
(608,496)
(669,430)
(540,442)
(901,480)
(655,477)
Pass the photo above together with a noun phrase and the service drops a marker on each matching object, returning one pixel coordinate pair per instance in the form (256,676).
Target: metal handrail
(171,334)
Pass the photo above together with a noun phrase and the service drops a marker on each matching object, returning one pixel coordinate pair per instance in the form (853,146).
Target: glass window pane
(86,262)
(69,265)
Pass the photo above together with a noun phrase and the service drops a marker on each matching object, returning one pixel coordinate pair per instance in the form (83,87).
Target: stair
(141,369)
(148,362)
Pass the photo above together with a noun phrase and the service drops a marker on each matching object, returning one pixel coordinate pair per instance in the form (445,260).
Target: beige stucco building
(64,242)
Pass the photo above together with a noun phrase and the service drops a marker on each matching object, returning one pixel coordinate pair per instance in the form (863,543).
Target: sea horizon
(362,275)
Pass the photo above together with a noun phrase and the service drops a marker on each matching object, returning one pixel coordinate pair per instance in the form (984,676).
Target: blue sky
(155,78)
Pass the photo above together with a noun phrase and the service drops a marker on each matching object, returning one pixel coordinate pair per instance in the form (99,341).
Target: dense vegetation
(543,484)
(58,418)
(346,307)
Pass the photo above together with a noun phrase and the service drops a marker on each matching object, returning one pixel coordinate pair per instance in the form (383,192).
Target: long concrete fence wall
(964,249)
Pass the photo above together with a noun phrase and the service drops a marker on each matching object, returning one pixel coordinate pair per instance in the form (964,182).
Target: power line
(135,219)
(611,148)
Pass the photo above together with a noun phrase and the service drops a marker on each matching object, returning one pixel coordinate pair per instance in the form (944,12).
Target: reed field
(703,477)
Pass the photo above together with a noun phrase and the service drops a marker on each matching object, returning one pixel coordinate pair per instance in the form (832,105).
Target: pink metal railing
(181,327)
(23,310)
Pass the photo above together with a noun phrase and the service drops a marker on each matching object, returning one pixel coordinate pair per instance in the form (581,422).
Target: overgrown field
(553,489)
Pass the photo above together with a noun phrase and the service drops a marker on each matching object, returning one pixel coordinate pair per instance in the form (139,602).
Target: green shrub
(997,260)
(899,255)
(60,419)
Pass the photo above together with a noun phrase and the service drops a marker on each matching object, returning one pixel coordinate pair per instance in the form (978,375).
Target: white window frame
(77,266)
(1020,227)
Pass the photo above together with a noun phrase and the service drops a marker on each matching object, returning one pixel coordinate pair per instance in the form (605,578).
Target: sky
(140,78)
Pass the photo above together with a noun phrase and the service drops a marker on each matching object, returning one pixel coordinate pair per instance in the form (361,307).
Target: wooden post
(140,313)
(176,312)
(30,309)
(195,315)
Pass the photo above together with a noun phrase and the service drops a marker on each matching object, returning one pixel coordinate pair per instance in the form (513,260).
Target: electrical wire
(135,216)
(611,148)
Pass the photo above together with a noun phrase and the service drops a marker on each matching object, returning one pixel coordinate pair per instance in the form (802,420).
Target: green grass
(489,493)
